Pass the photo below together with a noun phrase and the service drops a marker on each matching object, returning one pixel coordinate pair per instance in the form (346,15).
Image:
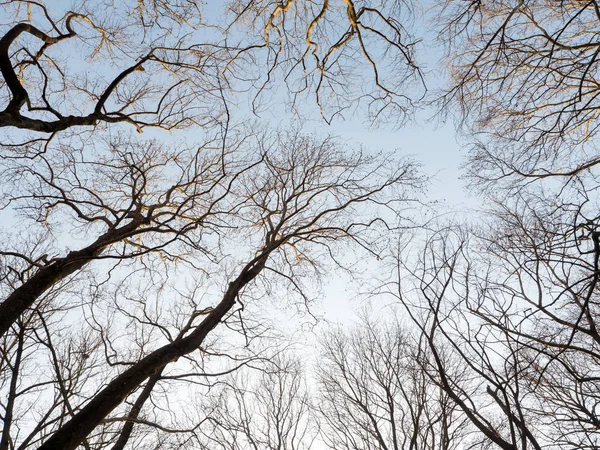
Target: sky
(424,138)
(430,142)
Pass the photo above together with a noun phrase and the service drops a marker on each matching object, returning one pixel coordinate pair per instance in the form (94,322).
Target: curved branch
(19,94)
(75,431)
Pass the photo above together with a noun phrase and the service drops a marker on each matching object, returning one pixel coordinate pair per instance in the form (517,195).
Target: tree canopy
(155,222)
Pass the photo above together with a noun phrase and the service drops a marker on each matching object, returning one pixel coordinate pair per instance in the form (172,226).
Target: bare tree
(165,63)
(551,254)
(478,369)
(100,223)
(135,197)
(374,394)
(317,44)
(524,76)
(515,303)
(235,218)
(515,298)
(144,67)
(270,409)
